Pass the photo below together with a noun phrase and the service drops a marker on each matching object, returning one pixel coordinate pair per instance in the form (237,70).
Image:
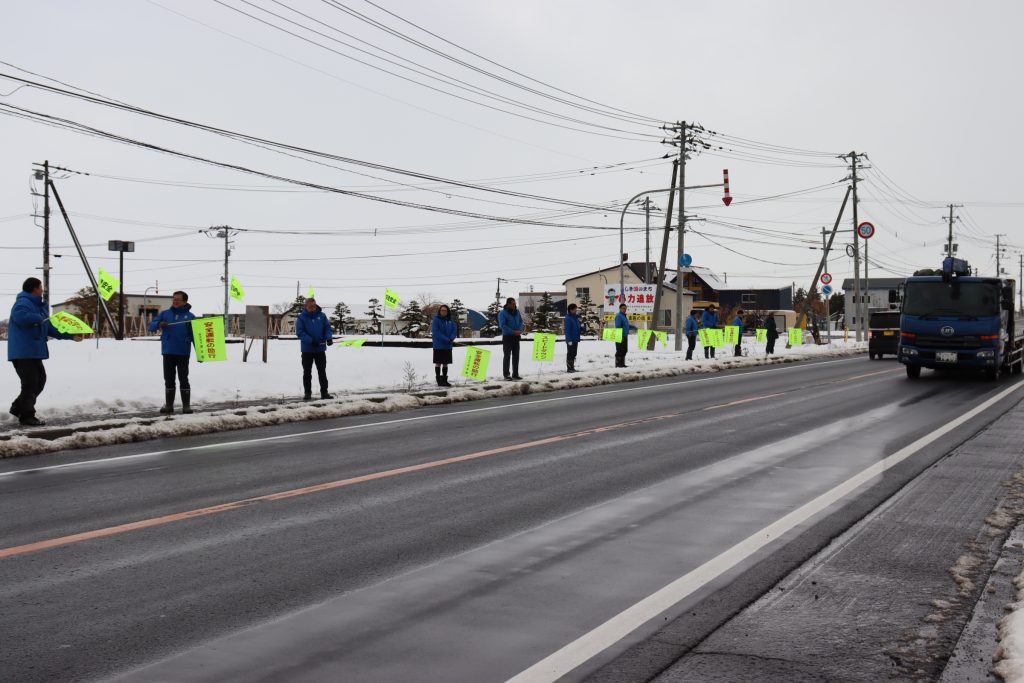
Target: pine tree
(412,316)
(374,314)
(458,313)
(296,306)
(491,328)
(590,321)
(341,318)
(546,316)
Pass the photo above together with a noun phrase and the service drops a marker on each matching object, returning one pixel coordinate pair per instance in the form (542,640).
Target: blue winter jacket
(443,332)
(709,319)
(510,322)
(622,322)
(738,322)
(691,327)
(313,330)
(572,328)
(29,329)
(175,340)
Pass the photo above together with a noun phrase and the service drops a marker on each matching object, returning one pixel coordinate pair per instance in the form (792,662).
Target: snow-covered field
(90,383)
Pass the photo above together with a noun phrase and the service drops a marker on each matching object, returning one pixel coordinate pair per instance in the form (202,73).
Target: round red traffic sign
(826,278)
(865,230)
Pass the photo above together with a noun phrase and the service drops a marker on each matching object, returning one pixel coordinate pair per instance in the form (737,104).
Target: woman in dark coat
(773,334)
(443,332)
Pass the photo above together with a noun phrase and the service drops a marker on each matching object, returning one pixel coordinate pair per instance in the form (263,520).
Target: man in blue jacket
(28,330)
(738,322)
(572,338)
(511,323)
(314,332)
(622,322)
(176,348)
(692,326)
(708,320)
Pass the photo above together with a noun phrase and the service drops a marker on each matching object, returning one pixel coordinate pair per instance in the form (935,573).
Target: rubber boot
(437,376)
(444,377)
(168,406)
(186,397)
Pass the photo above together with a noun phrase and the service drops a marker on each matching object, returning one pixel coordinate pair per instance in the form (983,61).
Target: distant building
(876,296)
(135,305)
(595,285)
(777,299)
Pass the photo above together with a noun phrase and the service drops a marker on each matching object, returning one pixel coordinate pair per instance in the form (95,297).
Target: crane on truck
(959,320)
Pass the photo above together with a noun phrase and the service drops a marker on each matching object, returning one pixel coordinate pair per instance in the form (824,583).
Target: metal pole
(949,240)
(647,247)
(46,232)
(680,238)
(227,283)
(828,307)
(120,303)
(857,303)
(867,284)
(622,218)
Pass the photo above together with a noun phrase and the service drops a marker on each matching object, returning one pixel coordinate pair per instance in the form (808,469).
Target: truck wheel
(913,371)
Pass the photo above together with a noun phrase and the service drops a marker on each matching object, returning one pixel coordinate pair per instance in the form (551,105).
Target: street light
(145,303)
(120,246)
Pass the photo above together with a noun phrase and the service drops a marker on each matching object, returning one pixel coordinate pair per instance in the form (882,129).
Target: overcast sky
(928,90)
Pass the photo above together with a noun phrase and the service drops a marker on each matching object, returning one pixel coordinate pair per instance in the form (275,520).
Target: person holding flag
(27,335)
(622,347)
(443,333)
(176,348)
(314,332)
(738,322)
(573,330)
(511,322)
(709,320)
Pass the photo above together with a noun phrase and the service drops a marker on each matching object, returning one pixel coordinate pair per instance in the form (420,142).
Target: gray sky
(929,90)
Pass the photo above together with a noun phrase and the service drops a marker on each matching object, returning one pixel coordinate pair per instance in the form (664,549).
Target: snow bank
(102,384)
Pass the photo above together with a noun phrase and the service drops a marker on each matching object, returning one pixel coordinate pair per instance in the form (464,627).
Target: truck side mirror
(1007,293)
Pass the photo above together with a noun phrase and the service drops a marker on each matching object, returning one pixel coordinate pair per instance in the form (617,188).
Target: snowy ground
(116,379)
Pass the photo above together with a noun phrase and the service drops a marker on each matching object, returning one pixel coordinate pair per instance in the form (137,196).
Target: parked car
(883,334)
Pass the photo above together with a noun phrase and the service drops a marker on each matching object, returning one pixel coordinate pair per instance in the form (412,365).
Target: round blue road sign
(685,260)
(826,290)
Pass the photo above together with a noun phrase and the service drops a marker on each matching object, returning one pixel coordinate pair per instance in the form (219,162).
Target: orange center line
(745,400)
(870,374)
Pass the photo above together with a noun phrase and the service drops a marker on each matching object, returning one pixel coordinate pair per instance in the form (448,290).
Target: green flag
(69,324)
(391,299)
(662,337)
(643,338)
(237,293)
(613,334)
(762,334)
(208,335)
(475,366)
(732,335)
(796,336)
(352,342)
(703,334)
(108,285)
(311,294)
(544,346)
(716,338)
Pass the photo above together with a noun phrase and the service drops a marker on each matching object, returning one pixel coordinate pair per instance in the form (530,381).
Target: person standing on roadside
(27,334)
(738,322)
(572,338)
(314,331)
(692,326)
(622,323)
(443,331)
(511,322)
(709,320)
(773,334)
(176,348)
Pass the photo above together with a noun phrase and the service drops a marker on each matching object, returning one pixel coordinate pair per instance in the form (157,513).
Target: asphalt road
(455,543)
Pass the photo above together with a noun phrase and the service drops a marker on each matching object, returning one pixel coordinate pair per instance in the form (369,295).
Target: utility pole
(999,253)
(949,237)
(46,232)
(225,232)
(858,307)
(1020,283)
(681,238)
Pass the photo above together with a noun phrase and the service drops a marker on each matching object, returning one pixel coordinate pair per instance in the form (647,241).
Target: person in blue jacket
(692,326)
(572,338)
(738,322)
(314,332)
(27,333)
(443,333)
(708,320)
(176,348)
(511,323)
(622,322)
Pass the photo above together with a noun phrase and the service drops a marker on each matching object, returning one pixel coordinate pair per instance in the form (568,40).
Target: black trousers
(770,346)
(320,359)
(737,351)
(33,378)
(179,365)
(620,352)
(709,351)
(691,342)
(510,352)
(571,349)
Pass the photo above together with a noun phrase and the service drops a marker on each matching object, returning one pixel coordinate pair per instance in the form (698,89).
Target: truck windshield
(950,299)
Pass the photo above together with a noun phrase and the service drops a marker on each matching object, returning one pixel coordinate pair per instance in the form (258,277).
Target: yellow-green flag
(391,299)
(732,335)
(612,334)
(643,338)
(716,338)
(108,284)
(796,336)
(208,335)
(352,342)
(703,334)
(662,337)
(544,346)
(69,324)
(476,363)
(762,334)
(237,293)
(311,294)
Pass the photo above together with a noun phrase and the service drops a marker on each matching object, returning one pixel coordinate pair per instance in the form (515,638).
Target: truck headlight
(986,354)
(908,351)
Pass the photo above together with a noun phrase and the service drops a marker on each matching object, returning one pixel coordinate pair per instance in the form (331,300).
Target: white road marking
(385,423)
(560,663)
